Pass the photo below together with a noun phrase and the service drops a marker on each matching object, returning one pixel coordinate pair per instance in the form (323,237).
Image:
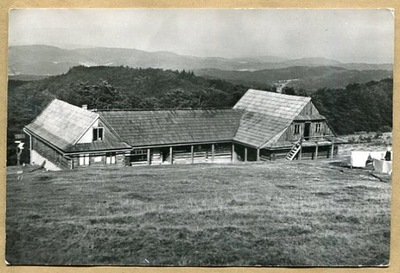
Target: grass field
(274,213)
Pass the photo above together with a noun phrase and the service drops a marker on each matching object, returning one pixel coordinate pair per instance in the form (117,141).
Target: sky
(355,35)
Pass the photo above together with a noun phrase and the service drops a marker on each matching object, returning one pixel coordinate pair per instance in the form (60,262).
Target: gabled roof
(267,115)
(309,117)
(257,120)
(62,124)
(152,128)
(272,104)
(255,129)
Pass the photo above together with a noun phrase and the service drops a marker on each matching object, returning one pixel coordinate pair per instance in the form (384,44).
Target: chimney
(84,106)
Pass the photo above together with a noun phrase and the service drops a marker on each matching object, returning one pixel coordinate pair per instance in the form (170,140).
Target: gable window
(297,129)
(98,134)
(318,127)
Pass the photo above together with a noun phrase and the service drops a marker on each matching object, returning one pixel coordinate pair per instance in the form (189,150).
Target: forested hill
(310,78)
(135,88)
(358,107)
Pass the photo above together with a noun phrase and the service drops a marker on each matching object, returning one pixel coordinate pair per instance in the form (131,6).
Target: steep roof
(255,129)
(62,124)
(272,104)
(151,128)
(258,120)
(267,115)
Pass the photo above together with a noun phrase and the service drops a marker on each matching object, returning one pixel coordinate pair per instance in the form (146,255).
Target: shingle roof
(255,129)
(258,120)
(267,115)
(309,117)
(62,124)
(152,128)
(98,146)
(272,104)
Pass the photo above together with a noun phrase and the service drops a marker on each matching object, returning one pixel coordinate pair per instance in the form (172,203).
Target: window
(318,127)
(110,158)
(138,155)
(297,129)
(98,134)
(139,152)
(84,160)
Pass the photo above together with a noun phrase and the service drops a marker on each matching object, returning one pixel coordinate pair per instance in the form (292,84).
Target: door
(307,131)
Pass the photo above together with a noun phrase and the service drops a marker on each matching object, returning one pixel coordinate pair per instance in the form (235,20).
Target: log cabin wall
(317,127)
(306,153)
(50,154)
(204,153)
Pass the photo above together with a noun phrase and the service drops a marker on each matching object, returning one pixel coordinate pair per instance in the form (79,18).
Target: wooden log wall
(51,154)
(306,153)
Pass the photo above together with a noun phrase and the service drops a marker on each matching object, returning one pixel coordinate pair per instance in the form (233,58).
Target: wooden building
(261,126)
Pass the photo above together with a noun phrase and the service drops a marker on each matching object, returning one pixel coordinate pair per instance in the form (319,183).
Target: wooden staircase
(293,152)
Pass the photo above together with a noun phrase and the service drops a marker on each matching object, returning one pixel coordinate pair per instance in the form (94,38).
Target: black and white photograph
(199,137)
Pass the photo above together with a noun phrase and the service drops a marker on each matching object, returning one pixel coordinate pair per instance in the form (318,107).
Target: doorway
(307,131)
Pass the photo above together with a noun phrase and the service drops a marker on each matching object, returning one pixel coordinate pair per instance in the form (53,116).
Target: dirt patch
(43,178)
(323,193)
(139,197)
(289,187)
(233,202)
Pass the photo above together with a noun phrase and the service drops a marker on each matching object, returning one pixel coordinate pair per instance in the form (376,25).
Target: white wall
(88,136)
(37,159)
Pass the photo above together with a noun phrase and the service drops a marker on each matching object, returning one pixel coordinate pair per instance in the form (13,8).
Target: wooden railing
(317,138)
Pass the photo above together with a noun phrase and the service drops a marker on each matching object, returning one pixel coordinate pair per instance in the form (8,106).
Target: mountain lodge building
(261,126)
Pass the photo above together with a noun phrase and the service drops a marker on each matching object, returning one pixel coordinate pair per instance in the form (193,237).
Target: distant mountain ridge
(309,78)
(51,60)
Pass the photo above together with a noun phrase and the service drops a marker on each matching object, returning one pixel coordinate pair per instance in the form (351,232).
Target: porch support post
(148,156)
(316,150)
(171,159)
(192,153)
(333,146)
(233,152)
(258,154)
(245,154)
(212,152)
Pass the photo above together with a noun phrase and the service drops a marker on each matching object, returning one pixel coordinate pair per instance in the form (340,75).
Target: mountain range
(30,61)
(51,60)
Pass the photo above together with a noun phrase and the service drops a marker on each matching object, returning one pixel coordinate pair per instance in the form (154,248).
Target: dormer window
(98,134)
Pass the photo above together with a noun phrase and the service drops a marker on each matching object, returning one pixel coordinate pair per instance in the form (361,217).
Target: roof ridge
(167,110)
(47,106)
(278,94)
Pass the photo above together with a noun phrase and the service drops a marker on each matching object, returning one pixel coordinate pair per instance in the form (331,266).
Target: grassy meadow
(273,213)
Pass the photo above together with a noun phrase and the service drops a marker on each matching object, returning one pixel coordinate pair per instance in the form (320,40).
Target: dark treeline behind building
(358,107)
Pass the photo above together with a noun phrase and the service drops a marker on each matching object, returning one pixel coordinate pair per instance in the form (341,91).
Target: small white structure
(380,160)
(359,158)
(382,166)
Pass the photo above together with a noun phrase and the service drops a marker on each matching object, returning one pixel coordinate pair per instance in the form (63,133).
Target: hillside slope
(303,213)
(308,78)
